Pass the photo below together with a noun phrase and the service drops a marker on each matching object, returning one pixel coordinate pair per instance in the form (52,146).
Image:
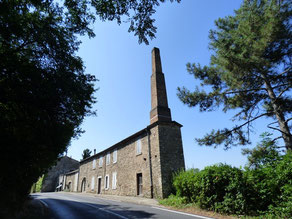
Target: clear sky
(123,68)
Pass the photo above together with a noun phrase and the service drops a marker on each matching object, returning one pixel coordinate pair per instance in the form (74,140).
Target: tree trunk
(286,134)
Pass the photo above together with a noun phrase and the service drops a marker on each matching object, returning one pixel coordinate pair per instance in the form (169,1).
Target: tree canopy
(44,91)
(86,153)
(250,71)
(266,152)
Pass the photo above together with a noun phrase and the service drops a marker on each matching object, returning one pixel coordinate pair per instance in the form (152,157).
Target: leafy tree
(86,153)
(266,152)
(250,71)
(44,92)
(39,184)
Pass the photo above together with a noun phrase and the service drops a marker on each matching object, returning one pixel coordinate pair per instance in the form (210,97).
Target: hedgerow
(263,191)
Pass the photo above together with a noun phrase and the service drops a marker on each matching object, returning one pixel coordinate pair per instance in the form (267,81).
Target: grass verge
(179,204)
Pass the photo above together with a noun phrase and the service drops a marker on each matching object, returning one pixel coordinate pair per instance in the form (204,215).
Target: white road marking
(43,203)
(178,212)
(107,211)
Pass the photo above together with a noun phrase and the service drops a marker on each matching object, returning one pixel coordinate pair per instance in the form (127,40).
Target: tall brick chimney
(159,106)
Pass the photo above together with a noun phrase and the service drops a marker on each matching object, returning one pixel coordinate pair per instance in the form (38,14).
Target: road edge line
(179,212)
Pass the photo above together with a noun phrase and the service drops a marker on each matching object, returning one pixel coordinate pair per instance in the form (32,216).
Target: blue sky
(123,68)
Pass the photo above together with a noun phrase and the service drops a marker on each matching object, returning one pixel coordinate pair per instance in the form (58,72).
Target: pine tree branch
(243,91)
(227,135)
(249,116)
(284,72)
(249,121)
(269,126)
(283,91)
(275,139)
(281,85)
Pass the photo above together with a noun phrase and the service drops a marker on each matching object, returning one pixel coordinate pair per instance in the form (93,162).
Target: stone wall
(171,154)
(126,168)
(166,155)
(71,181)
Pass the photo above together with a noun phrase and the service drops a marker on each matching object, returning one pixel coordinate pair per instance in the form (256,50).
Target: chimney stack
(94,151)
(159,106)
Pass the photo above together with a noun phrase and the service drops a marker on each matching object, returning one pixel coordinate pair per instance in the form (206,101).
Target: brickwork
(159,105)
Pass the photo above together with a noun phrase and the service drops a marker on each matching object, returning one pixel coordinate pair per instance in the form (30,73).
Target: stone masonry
(143,163)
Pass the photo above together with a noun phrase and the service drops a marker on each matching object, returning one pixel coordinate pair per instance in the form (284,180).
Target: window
(92,183)
(114,182)
(106,182)
(108,158)
(100,161)
(115,156)
(94,164)
(138,147)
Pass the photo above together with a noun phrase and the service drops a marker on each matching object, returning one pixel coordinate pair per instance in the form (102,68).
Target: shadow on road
(60,208)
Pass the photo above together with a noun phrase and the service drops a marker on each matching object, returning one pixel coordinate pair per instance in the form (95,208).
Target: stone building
(52,179)
(143,163)
(69,181)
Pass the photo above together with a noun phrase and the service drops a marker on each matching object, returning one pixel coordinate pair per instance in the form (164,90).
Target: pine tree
(250,71)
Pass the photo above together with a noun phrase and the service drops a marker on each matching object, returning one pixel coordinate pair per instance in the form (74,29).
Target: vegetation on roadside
(39,184)
(263,189)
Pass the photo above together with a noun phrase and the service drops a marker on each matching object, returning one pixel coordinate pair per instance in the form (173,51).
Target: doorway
(98,185)
(139,184)
(69,187)
(83,185)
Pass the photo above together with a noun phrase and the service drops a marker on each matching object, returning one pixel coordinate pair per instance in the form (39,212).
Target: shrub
(184,183)
(221,188)
(275,188)
(264,188)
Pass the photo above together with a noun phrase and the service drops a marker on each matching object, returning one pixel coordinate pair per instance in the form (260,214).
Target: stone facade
(71,181)
(142,164)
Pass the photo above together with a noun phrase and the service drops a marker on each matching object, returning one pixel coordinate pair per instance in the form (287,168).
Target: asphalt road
(72,206)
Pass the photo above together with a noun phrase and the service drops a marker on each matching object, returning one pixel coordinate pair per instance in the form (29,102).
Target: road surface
(78,206)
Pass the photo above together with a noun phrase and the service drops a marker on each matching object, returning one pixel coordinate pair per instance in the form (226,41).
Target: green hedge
(266,190)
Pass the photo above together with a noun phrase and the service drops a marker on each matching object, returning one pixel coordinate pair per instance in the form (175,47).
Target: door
(69,186)
(99,186)
(139,184)
(83,185)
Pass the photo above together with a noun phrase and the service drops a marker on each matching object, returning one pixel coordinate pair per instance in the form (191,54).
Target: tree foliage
(250,71)
(86,153)
(44,91)
(262,189)
(266,152)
